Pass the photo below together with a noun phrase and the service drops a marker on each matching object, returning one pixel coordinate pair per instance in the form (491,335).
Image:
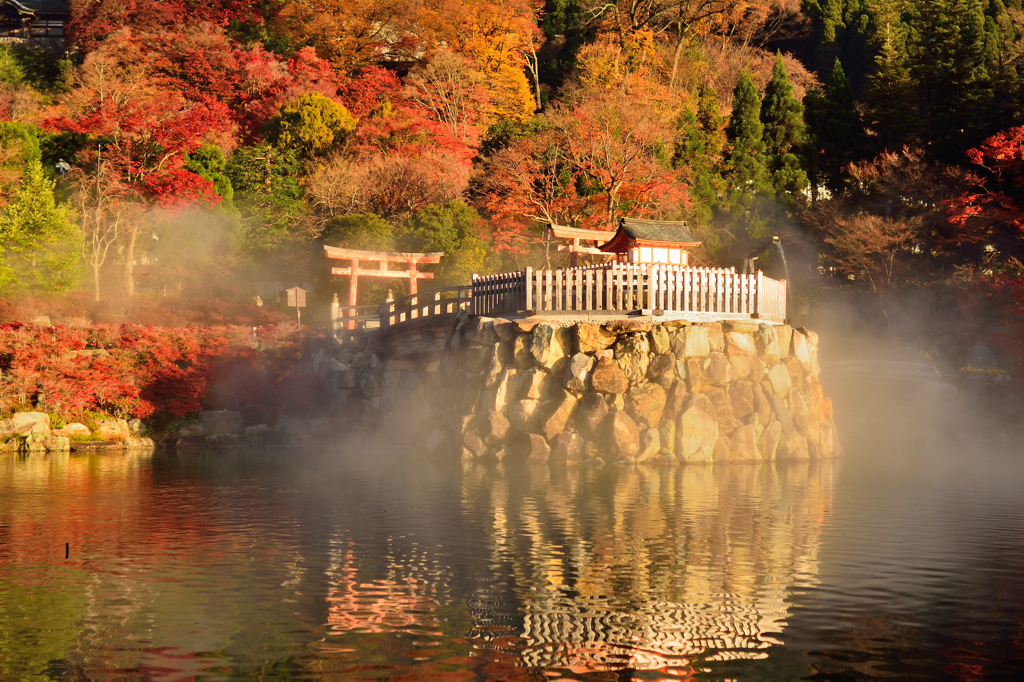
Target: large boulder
(661,342)
(75,430)
(523,416)
(549,345)
(646,403)
(743,445)
(221,422)
(723,408)
(568,447)
(716,336)
(632,354)
(591,337)
(697,430)
(24,424)
(650,445)
(590,417)
(741,395)
(113,429)
(496,427)
(608,377)
(577,374)
(625,436)
(662,370)
(781,381)
(537,384)
(691,342)
(768,443)
(555,414)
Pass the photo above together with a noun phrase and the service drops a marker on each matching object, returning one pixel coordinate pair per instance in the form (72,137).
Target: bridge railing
(353,319)
(623,288)
(435,304)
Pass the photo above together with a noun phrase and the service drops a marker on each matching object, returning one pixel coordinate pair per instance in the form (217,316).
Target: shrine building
(651,241)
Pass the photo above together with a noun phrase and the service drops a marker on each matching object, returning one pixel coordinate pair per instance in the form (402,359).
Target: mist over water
(902,559)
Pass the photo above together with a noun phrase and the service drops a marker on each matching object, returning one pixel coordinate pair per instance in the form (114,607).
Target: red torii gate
(577,235)
(381,258)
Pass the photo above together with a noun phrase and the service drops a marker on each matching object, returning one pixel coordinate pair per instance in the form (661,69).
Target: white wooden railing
(617,287)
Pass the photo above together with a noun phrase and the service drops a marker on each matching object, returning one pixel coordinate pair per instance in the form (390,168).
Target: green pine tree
(836,131)
(746,174)
(948,58)
(700,141)
(891,92)
(41,245)
(784,136)
(1004,46)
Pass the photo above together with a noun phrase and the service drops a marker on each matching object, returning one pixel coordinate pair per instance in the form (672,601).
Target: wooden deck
(672,290)
(600,291)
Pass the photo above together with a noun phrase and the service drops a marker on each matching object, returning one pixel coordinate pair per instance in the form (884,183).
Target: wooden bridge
(600,291)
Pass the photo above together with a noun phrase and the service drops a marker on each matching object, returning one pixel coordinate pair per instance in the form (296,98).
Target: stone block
(115,429)
(523,416)
(369,385)
(723,408)
(627,326)
(568,447)
(496,426)
(504,330)
(742,326)
(743,445)
(781,381)
(741,395)
(660,341)
(722,448)
(796,372)
(785,336)
(696,430)
(577,374)
(667,430)
(768,443)
(588,338)
(75,430)
(692,342)
(474,443)
(650,445)
(632,354)
(646,403)
(139,443)
(556,414)
(762,406)
(793,446)
(695,374)
(716,336)
(24,424)
(549,345)
(219,422)
(767,340)
(479,331)
(675,397)
(56,443)
(800,351)
(625,436)
(718,370)
(740,343)
(591,414)
(607,377)
(537,384)
(662,370)
(522,354)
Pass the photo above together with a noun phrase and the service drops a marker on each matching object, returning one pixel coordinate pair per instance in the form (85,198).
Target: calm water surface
(903,560)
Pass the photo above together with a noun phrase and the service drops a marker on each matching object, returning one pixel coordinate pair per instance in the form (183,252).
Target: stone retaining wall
(629,390)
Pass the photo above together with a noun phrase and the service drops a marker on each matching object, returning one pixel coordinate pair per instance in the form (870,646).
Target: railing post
(472,297)
(757,294)
(384,311)
(334,316)
(528,287)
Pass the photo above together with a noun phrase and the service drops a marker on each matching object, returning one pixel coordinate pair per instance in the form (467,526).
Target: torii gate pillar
(382,259)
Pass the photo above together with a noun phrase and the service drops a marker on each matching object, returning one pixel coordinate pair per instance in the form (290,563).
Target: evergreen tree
(784,135)
(746,173)
(700,142)
(841,30)
(948,58)
(40,244)
(1004,46)
(891,92)
(836,131)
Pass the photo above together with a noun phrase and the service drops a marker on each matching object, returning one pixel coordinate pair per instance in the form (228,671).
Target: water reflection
(311,565)
(649,568)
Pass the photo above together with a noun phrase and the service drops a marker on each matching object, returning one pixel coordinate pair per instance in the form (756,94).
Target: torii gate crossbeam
(382,259)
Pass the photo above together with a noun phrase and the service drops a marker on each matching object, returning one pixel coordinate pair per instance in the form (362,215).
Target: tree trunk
(129,264)
(96,281)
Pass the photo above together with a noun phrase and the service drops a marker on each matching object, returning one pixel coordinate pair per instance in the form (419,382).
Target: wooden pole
(412,278)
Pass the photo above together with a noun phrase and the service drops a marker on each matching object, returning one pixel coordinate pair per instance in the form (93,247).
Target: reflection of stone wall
(646,568)
(631,390)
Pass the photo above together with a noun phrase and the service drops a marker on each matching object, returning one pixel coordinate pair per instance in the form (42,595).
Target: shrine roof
(657,230)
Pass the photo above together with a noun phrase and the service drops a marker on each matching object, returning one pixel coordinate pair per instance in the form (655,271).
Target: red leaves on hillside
(92,22)
(996,193)
(142,371)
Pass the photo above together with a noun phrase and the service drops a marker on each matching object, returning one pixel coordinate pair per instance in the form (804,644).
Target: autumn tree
(139,136)
(587,165)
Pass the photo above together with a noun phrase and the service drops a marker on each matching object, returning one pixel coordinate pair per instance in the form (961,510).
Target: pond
(905,559)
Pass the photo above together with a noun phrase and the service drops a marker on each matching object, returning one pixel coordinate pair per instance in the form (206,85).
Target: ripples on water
(375,564)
